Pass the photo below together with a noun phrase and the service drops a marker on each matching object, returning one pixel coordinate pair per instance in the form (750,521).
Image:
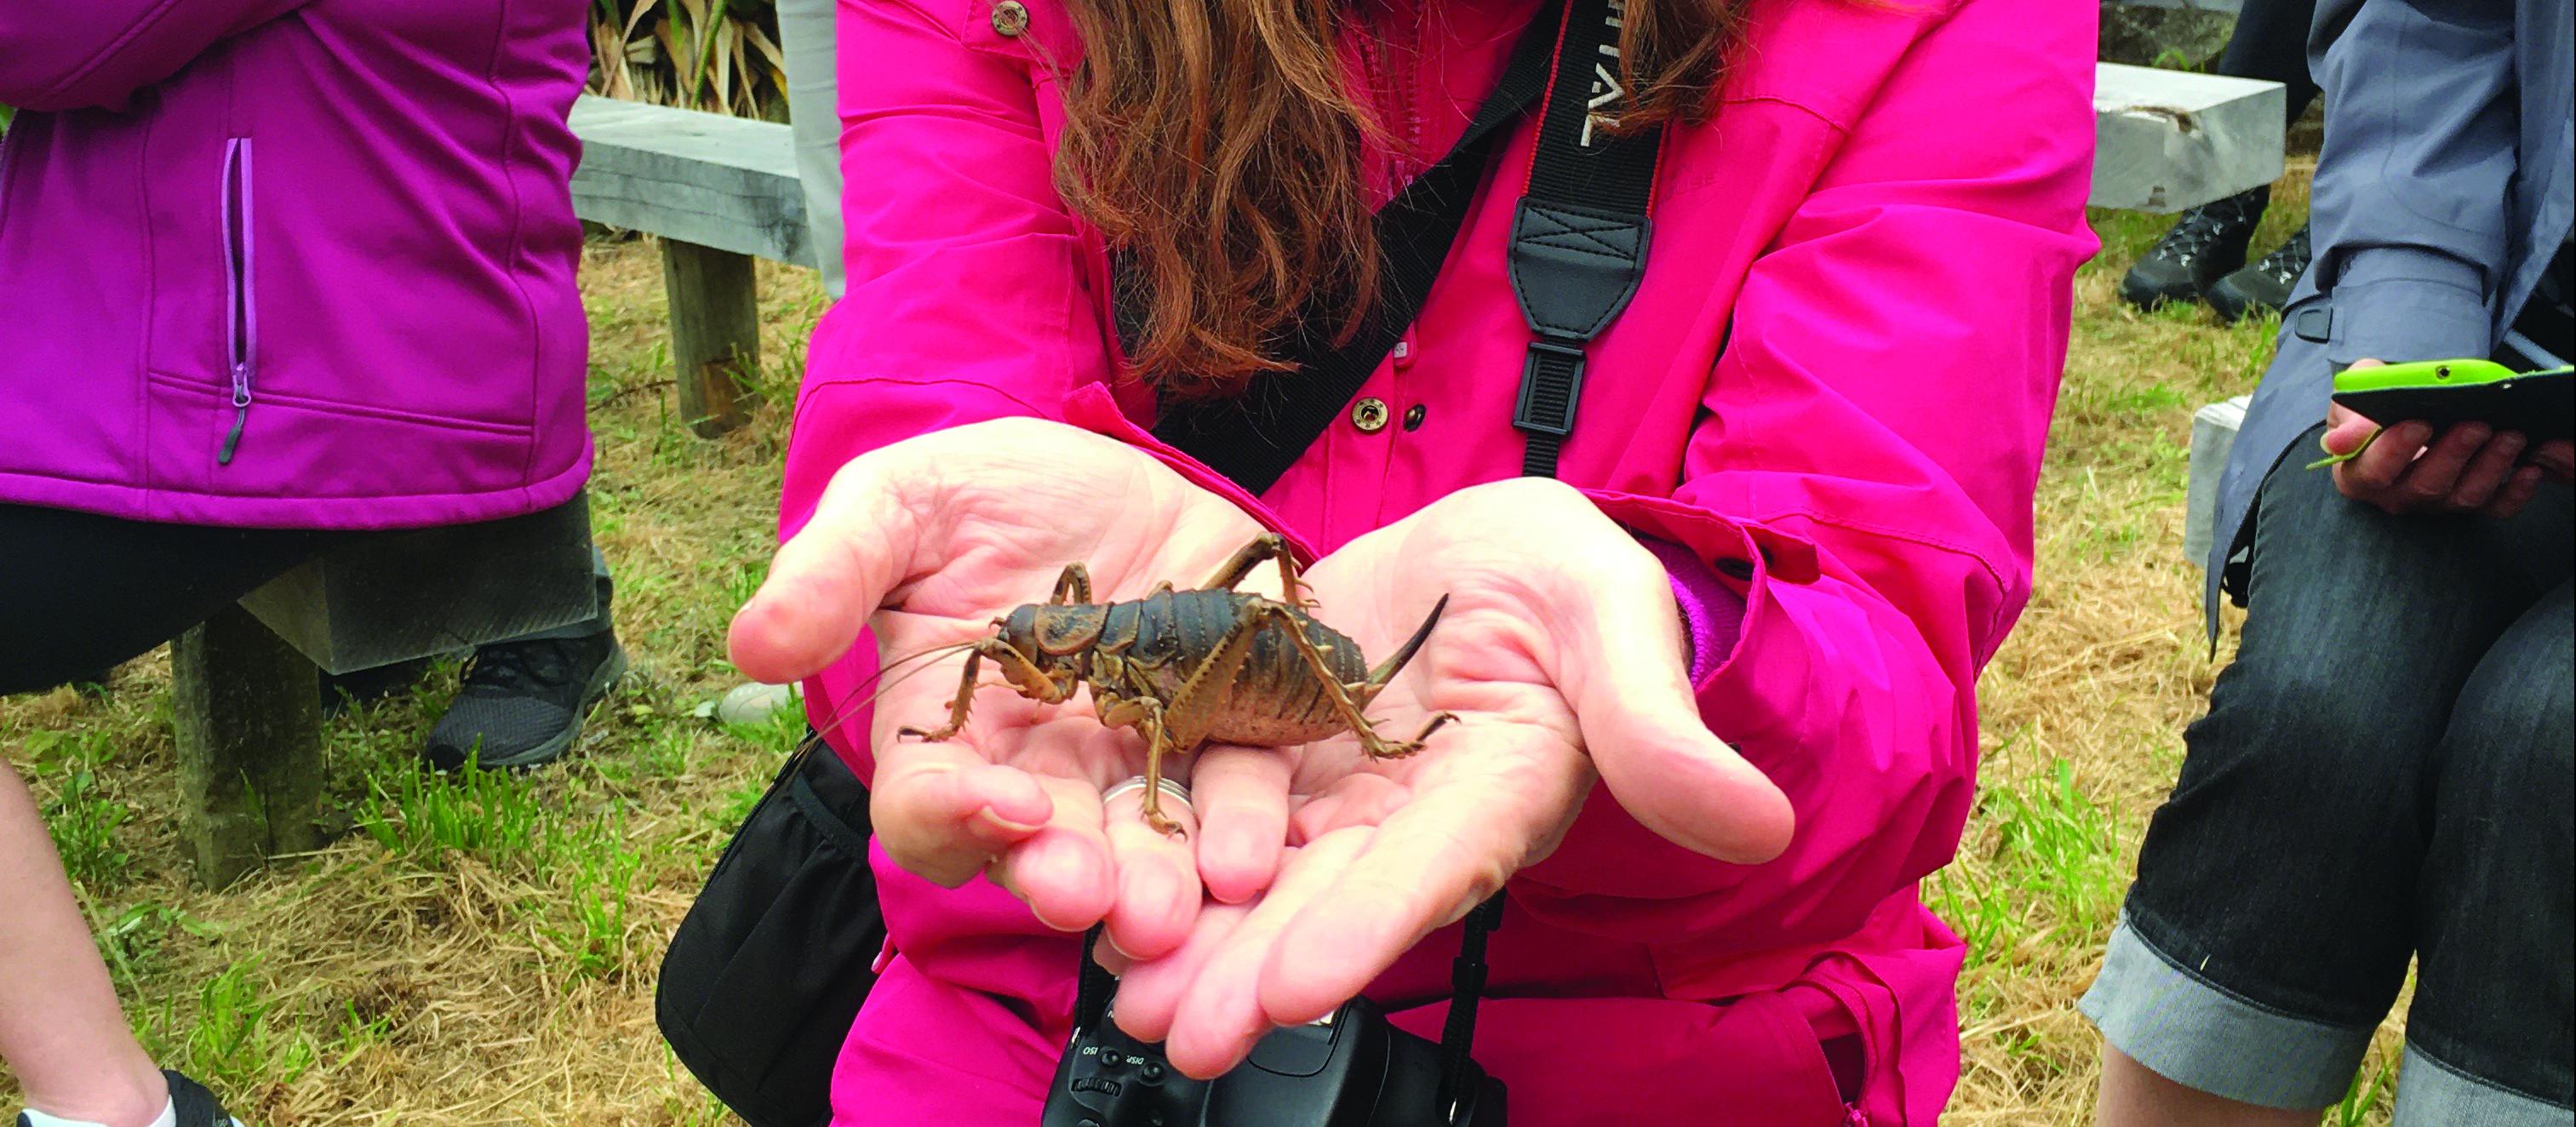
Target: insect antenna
(851,708)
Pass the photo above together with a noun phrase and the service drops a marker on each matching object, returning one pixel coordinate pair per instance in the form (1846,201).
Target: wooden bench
(246,683)
(720,191)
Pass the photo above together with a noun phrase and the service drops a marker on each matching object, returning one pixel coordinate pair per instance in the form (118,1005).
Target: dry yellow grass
(511,983)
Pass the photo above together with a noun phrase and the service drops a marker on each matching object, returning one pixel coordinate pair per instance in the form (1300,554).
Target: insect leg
(1157,743)
(1024,675)
(1267,546)
(1074,586)
(958,708)
(1374,745)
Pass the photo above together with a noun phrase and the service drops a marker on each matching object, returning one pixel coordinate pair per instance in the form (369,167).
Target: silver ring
(1134,783)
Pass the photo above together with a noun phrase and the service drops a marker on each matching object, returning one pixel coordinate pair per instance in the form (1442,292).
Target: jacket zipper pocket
(241,305)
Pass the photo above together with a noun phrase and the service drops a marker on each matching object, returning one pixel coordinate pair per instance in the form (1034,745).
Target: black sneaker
(2206,244)
(520,704)
(196,1106)
(2265,285)
(192,1103)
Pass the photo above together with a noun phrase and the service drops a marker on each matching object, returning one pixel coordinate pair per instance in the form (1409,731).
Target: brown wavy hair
(1216,147)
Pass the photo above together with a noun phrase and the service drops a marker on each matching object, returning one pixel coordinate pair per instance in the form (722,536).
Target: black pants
(2384,773)
(2271,43)
(81,593)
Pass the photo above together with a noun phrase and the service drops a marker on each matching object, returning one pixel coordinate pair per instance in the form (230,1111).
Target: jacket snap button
(1369,415)
(1010,17)
(1413,417)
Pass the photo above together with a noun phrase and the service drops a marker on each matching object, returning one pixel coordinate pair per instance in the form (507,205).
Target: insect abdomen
(1275,698)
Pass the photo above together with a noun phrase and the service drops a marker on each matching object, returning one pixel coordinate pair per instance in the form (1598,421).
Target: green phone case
(2540,405)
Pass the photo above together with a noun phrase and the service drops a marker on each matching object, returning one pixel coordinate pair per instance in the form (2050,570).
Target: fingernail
(2511,444)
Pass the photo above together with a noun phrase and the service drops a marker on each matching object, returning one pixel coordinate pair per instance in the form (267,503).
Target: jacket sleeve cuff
(2398,304)
(1712,612)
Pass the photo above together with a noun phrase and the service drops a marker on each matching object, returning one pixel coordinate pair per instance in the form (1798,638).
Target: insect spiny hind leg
(1265,547)
(1374,745)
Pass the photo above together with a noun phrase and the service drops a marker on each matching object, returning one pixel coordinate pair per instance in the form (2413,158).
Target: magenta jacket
(291,263)
(1833,389)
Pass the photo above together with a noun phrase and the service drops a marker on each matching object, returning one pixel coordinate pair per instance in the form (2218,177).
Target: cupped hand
(929,541)
(2467,468)
(1560,651)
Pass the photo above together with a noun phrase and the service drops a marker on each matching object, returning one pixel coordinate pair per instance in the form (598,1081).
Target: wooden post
(249,725)
(715,333)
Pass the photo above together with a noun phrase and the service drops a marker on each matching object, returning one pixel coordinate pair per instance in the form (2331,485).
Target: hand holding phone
(2455,462)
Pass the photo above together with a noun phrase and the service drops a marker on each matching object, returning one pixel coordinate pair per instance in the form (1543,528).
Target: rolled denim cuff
(2191,1031)
(2430,1090)
(1712,612)
(2398,304)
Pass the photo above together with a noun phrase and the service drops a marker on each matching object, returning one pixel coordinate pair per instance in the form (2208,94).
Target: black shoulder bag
(766,972)
(770,966)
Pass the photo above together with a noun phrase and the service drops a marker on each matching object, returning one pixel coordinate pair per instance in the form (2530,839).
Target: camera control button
(1153,1073)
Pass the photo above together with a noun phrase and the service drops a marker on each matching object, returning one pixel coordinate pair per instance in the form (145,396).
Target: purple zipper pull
(241,411)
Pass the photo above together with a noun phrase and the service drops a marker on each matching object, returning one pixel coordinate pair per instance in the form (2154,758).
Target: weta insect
(1188,667)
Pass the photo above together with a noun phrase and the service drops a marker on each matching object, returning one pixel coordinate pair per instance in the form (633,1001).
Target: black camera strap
(1466,984)
(1579,239)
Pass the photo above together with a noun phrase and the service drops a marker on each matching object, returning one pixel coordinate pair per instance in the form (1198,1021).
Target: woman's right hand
(928,541)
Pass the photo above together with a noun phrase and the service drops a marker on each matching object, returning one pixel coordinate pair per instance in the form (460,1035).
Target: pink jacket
(1835,383)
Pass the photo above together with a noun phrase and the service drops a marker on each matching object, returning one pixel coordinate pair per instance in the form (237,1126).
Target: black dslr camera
(1351,1069)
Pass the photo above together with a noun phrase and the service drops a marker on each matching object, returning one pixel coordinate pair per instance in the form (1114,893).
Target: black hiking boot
(2263,286)
(2206,244)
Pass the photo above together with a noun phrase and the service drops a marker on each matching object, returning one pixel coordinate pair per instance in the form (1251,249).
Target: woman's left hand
(1561,654)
